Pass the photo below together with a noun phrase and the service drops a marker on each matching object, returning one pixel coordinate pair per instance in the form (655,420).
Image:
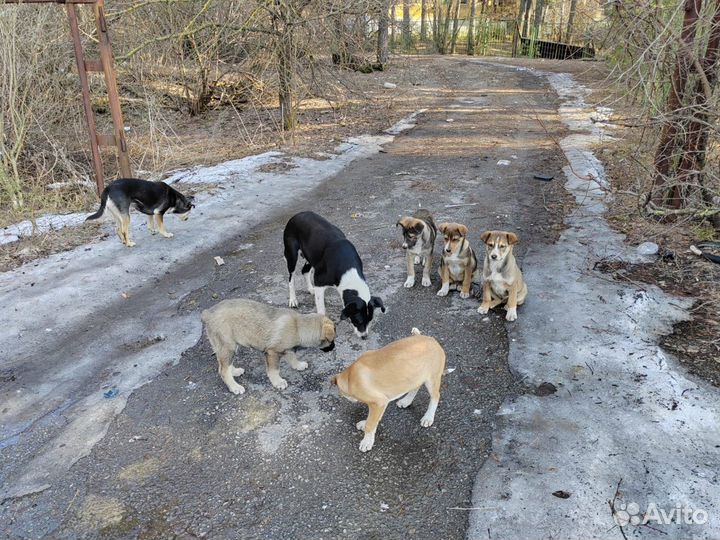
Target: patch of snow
(234,171)
(624,409)
(43,224)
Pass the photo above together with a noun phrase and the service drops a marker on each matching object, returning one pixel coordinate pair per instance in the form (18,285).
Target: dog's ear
(328,330)
(443,227)
(512,238)
(485,236)
(418,227)
(376,302)
(463,230)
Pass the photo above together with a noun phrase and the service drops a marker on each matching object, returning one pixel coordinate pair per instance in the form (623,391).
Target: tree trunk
(285,80)
(382,43)
(406,36)
(668,134)
(695,146)
(455,30)
(526,18)
(539,11)
(392,24)
(571,21)
(423,21)
(471,28)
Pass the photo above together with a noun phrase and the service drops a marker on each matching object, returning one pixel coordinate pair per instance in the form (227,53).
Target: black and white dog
(332,261)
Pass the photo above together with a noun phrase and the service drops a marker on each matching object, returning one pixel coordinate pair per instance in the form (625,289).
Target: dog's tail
(101,210)
(415,332)
(205,316)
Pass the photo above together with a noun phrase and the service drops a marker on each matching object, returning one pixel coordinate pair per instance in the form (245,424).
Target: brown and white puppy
(419,233)
(458,266)
(275,331)
(502,278)
(398,369)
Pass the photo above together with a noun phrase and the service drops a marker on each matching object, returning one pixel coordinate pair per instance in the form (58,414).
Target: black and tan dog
(154,199)
(502,278)
(419,233)
(458,267)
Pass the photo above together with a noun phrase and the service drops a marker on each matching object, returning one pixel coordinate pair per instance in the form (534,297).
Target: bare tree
(423,21)
(668,141)
(382,43)
(571,21)
(471,28)
(406,35)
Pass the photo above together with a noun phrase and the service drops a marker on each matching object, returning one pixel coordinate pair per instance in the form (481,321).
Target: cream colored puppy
(398,369)
(275,331)
(502,278)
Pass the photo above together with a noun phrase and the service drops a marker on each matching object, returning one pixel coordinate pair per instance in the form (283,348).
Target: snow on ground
(56,302)
(623,410)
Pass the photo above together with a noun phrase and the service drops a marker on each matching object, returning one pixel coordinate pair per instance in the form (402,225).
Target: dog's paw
(442,292)
(404,403)
(236,389)
(280,383)
(426,281)
(152,231)
(293,303)
(464,294)
(483,308)
(167,234)
(360,426)
(427,421)
(130,243)
(416,260)
(410,282)
(367,443)
(511,314)
(237,371)
(300,366)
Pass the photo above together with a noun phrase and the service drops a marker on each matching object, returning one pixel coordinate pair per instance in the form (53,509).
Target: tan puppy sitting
(458,265)
(381,376)
(275,331)
(503,280)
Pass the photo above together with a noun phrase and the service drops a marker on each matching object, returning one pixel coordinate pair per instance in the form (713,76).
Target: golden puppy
(275,331)
(458,265)
(503,280)
(399,368)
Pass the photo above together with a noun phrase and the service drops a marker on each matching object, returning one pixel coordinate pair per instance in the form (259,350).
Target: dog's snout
(447,250)
(405,245)
(364,336)
(493,256)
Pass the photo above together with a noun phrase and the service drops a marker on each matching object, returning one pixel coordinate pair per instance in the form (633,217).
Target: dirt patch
(696,342)
(42,245)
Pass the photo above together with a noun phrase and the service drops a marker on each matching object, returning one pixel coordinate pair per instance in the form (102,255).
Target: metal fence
(501,37)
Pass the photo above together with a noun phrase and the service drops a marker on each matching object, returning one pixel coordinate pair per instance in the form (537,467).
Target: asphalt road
(185,458)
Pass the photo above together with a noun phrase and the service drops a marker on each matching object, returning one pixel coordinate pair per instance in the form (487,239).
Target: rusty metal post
(106,59)
(86,101)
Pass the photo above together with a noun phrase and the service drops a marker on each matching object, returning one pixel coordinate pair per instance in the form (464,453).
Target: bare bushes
(667,56)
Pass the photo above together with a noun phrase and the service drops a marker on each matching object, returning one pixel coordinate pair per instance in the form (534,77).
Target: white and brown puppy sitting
(458,267)
(275,331)
(419,233)
(503,280)
(398,369)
